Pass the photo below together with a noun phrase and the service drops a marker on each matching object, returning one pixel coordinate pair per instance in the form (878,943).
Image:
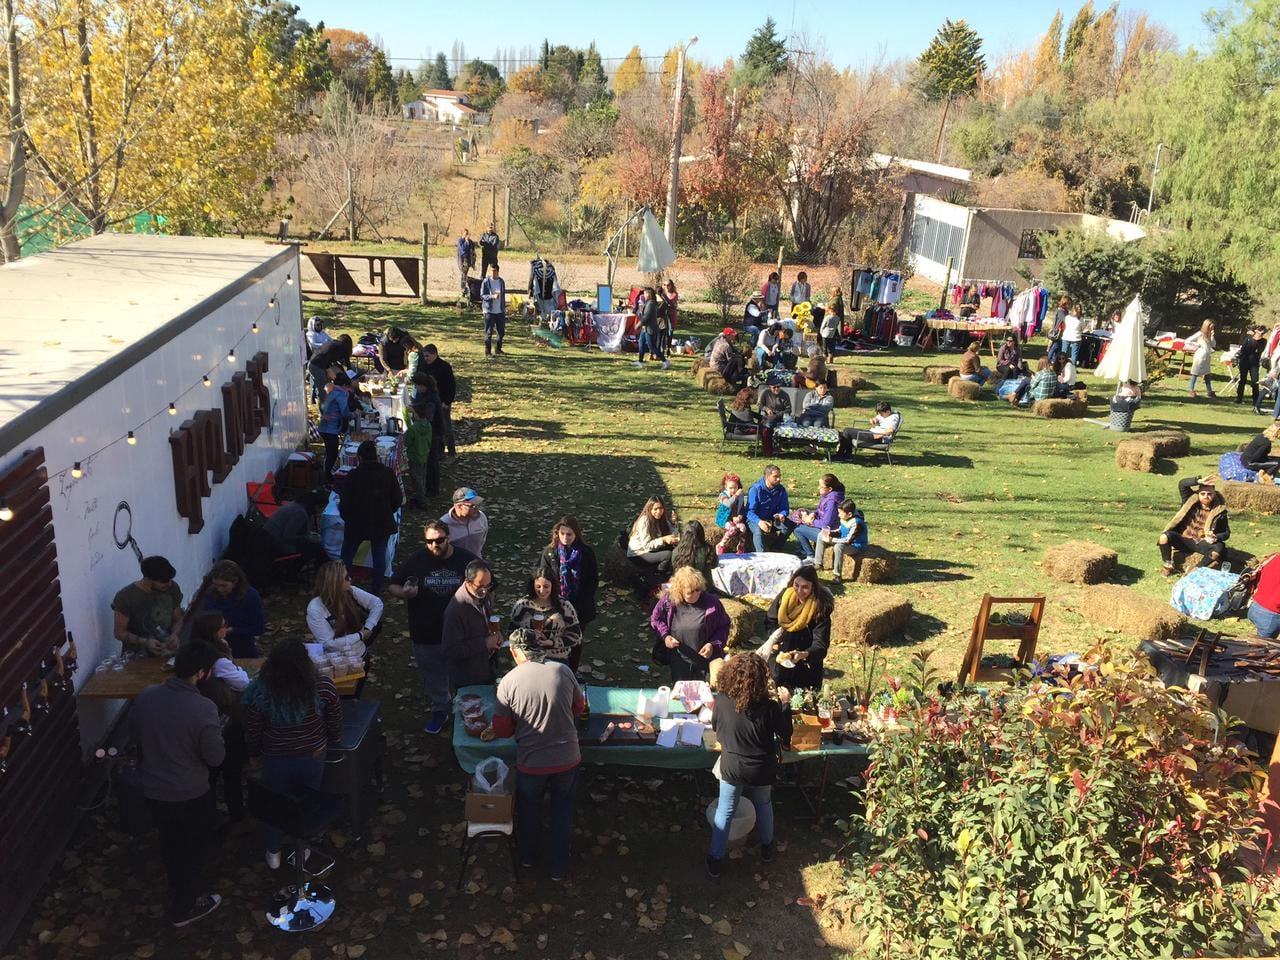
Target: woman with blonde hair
(691,626)
(752,728)
(1204,343)
(342,615)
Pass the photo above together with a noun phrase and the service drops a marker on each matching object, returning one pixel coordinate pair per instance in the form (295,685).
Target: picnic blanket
(1202,593)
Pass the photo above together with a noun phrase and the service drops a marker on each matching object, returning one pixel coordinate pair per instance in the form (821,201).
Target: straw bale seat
(870,616)
(964,389)
(1126,610)
(940,376)
(1080,561)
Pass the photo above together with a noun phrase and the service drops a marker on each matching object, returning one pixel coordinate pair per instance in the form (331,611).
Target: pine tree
(1076,33)
(950,67)
(766,53)
(382,87)
(439,78)
(408,87)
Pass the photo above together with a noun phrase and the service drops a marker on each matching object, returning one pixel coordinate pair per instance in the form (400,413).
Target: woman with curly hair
(543,622)
(291,717)
(752,728)
(691,627)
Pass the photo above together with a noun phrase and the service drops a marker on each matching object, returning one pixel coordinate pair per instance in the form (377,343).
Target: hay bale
(744,623)
(872,565)
(870,616)
(617,568)
(717,385)
(1237,559)
(940,376)
(1262,497)
(1080,561)
(699,363)
(1061,408)
(964,389)
(1136,455)
(712,533)
(1167,443)
(845,396)
(848,377)
(1126,610)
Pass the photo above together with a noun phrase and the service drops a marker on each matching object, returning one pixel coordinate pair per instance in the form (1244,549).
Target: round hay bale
(964,389)
(1136,455)
(617,568)
(872,565)
(1187,563)
(872,615)
(1167,443)
(1126,610)
(1061,408)
(1261,497)
(845,396)
(940,376)
(717,385)
(1080,561)
(744,622)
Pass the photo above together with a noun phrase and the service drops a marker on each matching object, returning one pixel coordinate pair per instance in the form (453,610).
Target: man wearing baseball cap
(468,526)
(727,361)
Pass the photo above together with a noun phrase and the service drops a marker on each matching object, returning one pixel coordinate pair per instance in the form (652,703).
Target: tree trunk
(942,125)
(16,181)
(93,179)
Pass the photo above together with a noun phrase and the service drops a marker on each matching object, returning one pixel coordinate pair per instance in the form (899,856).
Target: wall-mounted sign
(207,447)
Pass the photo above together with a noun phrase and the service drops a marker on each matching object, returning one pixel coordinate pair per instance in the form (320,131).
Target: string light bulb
(206,381)
(6,512)
(254,328)
(76,471)
(173,409)
(131,439)
(272,303)
(288,278)
(231,355)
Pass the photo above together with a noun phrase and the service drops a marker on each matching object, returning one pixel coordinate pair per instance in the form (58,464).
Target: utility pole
(1155,169)
(677,131)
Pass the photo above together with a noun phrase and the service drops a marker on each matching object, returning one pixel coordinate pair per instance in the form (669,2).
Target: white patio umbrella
(1126,356)
(655,253)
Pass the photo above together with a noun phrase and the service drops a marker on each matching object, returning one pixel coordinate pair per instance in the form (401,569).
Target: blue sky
(852,33)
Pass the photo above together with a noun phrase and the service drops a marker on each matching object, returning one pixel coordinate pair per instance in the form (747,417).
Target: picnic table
(791,435)
(140,672)
(984,328)
(754,574)
(470,750)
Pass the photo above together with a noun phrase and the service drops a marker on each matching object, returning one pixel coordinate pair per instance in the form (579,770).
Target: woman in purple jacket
(807,524)
(691,627)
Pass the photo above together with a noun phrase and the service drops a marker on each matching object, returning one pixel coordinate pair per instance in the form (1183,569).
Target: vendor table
(983,327)
(331,531)
(1251,697)
(791,435)
(759,574)
(470,750)
(613,329)
(141,672)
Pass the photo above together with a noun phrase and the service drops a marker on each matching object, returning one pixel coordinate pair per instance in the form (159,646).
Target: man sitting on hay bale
(1200,526)
(726,360)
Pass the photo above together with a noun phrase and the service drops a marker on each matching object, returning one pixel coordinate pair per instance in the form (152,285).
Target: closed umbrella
(655,253)
(1125,358)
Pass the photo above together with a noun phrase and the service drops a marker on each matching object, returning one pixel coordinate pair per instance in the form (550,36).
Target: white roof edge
(923,166)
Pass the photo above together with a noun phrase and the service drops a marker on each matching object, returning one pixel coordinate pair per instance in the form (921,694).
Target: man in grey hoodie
(179,737)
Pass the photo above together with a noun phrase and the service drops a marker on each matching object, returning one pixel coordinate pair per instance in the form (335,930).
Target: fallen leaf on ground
(722,927)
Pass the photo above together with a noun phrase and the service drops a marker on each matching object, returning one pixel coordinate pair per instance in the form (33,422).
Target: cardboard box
(806,734)
(489,807)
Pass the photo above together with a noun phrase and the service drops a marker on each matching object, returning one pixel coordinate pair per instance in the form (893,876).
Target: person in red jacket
(1264,608)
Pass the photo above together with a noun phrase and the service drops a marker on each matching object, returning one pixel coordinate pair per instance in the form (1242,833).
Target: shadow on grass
(1126,575)
(914,568)
(933,459)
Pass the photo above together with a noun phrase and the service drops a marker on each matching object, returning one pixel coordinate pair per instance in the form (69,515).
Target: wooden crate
(806,734)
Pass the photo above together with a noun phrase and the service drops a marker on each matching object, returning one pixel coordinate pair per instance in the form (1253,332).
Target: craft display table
(1251,696)
(987,329)
(138,673)
(470,750)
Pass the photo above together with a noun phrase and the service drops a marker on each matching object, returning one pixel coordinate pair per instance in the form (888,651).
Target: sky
(853,34)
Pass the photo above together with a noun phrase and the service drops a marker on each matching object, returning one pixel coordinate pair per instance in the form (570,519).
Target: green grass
(976,493)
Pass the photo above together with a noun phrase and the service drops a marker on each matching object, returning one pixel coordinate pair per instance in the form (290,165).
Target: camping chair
(881,446)
(729,435)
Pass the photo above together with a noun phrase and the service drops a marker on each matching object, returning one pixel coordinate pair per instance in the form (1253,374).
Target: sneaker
(806,561)
(766,853)
(638,364)
(713,867)
(437,722)
(273,860)
(1167,570)
(205,904)
(666,364)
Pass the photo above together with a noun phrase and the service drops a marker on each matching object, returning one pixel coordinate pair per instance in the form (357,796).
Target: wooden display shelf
(1003,631)
(1027,635)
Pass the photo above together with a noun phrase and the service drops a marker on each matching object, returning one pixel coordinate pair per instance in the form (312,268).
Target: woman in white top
(1072,330)
(341,616)
(1203,342)
(651,543)
(800,290)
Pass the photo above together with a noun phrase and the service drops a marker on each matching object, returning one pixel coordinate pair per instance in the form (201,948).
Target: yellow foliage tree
(630,73)
(169,107)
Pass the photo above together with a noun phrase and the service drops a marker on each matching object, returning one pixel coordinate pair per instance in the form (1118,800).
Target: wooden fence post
(425,253)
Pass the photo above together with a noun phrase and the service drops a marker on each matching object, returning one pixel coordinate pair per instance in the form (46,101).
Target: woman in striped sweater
(291,716)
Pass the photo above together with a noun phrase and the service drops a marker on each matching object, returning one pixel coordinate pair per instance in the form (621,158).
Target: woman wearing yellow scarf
(800,618)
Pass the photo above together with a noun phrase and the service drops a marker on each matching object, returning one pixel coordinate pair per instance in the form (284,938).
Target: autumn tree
(351,53)
(720,182)
(1047,64)
(950,66)
(630,74)
(15,167)
(482,83)
(152,105)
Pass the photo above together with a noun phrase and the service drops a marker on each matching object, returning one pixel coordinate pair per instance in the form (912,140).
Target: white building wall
(929,251)
(91,566)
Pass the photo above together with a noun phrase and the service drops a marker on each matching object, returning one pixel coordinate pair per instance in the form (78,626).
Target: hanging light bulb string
(78,467)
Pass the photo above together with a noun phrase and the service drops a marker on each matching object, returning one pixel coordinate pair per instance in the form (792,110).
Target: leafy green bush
(1099,818)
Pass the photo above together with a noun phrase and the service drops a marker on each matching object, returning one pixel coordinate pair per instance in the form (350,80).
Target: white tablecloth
(611,329)
(331,530)
(763,574)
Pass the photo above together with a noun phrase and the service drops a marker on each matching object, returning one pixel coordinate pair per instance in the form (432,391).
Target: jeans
(1268,623)
(531,788)
(184,827)
(418,483)
(1248,375)
(318,379)
(816,418)
(807,537)
(759,537)
(979,378)
(377,555)
(494,323)
(330,453)
(1208,383)
(761,799)
(1213,552)
(289,775)
(1055,347)
(650,343)
(1073,350)
(837,558)
(435,674)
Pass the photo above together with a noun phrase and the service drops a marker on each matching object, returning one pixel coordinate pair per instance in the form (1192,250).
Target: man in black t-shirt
(427,580)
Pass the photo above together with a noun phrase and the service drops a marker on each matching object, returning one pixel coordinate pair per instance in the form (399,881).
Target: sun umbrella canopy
(655,253)
(1125,358)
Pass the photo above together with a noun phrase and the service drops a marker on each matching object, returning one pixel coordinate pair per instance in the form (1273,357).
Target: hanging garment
(542,279)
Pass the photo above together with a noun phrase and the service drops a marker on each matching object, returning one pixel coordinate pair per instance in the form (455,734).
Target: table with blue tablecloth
(471,750)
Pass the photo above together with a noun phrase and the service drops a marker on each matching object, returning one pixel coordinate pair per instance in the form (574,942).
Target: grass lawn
(976,494)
